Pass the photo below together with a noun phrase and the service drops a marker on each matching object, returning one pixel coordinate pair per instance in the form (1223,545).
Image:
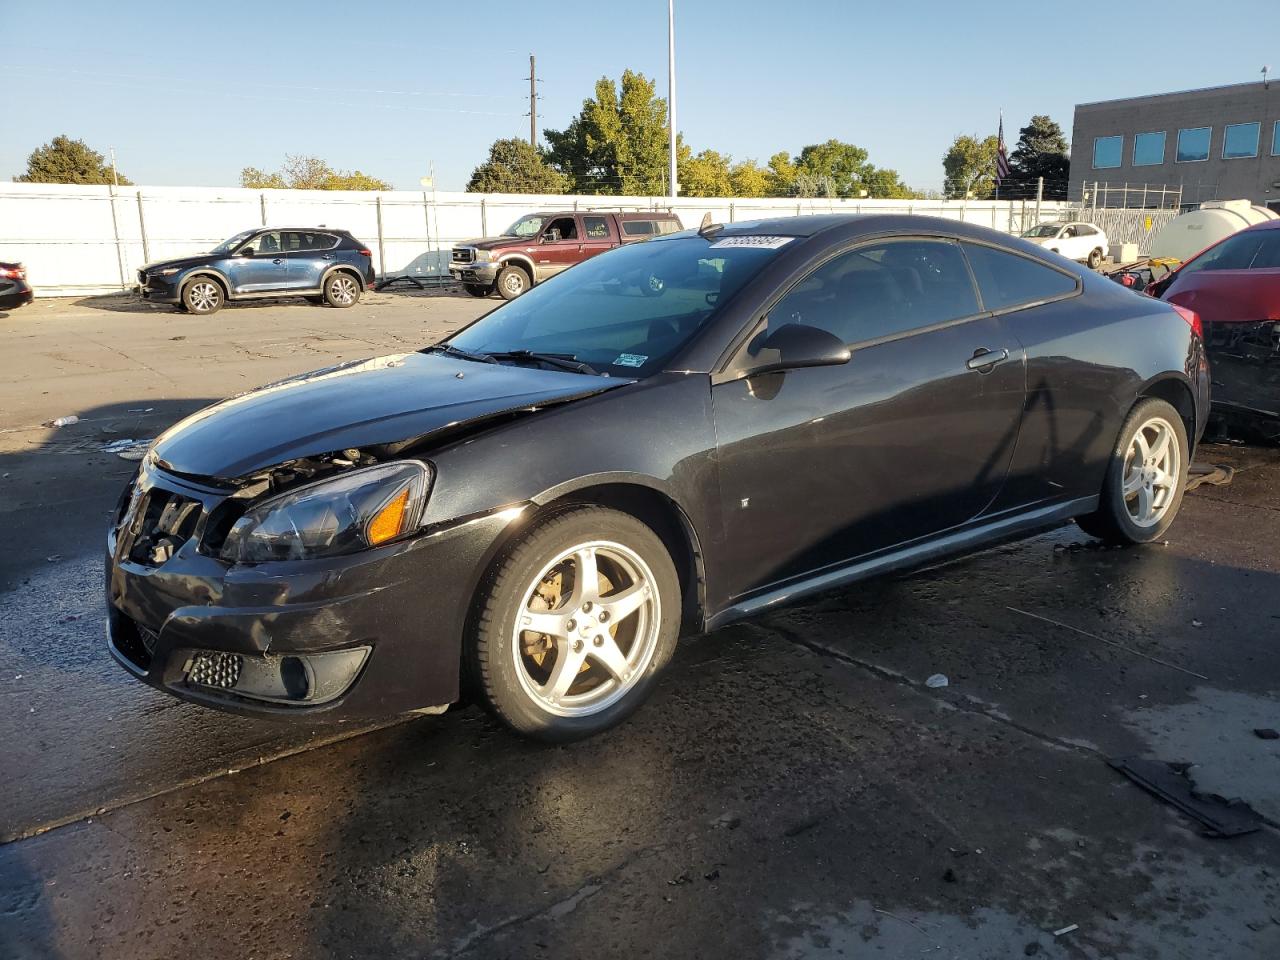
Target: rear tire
(558,659)
(1095,258)
(478,289)
(1145,478)
(513,281)
(341,290)
(202,296)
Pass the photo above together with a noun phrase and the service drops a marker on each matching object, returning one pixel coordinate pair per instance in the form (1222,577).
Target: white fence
(78,240)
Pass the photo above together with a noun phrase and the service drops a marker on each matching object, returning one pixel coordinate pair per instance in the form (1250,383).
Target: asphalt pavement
(795,788)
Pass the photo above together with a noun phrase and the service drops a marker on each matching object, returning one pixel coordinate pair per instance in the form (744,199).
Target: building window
(1240,140)
(1193,144)
(1275,139)
(1108,152)
(1148,149)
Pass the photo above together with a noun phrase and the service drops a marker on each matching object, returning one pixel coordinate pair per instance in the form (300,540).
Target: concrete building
(1219,143)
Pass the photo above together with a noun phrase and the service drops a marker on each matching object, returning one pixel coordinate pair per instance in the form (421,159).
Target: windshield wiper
(561,361)
(458,352)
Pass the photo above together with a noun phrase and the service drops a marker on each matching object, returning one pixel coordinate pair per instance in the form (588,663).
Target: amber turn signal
(389,521)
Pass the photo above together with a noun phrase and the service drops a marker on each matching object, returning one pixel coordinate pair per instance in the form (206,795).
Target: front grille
(135,642)
(463,254)
(158,525)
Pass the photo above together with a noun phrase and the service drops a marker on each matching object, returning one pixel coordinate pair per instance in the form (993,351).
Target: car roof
(311,229)
(1265,225)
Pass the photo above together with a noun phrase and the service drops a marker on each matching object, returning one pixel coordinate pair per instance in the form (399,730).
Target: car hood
(498,243)
(194,260)
(360,404)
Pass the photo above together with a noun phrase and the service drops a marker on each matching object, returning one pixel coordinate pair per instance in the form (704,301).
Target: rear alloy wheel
(1095,258)
(512,282)
(1145,479)
(478,289)
(575,625)
(202,296)
(341,290)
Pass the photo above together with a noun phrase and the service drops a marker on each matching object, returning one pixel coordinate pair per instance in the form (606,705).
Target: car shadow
(132,303)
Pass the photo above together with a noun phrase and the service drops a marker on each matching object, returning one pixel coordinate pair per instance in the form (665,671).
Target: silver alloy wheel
(203,296)
(579,652)
(342,289)
(514,283)
(1151,472)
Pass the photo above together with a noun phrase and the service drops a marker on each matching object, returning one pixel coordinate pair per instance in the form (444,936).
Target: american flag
(1002,158)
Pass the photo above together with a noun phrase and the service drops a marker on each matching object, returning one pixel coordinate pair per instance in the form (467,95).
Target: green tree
(618,142)
(782,175)
(515,166)
(1041,152)
(840,169)
(63,160)
(747,179)
(705,175)
(970,167)
(309,173)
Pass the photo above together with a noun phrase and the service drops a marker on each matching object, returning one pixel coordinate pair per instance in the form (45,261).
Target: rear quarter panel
(1089,359)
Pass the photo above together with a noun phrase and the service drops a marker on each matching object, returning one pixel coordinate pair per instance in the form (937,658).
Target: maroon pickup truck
(540,245)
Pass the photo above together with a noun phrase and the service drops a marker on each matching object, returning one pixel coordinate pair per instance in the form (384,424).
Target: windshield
(1044,230)
(226,246)
(524,227)
(628,311)
(1249,250)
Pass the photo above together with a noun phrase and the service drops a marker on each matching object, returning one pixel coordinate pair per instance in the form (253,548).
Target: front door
(307,254)
(914,435)
(559,246)
(258,266)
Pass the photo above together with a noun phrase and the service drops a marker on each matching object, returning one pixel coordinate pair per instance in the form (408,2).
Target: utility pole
(533,101)
(115,178)
(671,93)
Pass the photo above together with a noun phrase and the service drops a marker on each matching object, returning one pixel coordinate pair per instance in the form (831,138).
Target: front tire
(1095,258)
(1145,478)
(341,290)
(513,281)
(202,296)
(574,625)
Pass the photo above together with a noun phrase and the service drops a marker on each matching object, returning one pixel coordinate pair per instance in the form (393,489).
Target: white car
(1075,241)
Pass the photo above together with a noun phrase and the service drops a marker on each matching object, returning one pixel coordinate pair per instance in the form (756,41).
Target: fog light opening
(299,679)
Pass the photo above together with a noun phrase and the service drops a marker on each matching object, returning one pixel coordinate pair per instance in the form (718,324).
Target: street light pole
(671,94)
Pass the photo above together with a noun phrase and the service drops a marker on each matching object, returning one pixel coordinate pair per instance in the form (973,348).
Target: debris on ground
(62,421)
(127,448)
(1218,475)
(1169,782)
(936,681)
(680,881)
(1266,733)
(1065,930)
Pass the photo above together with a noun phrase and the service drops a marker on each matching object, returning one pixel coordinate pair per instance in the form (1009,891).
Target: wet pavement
(794,789)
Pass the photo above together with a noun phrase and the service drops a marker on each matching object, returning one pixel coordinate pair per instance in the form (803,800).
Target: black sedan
(662,440)
(15,291)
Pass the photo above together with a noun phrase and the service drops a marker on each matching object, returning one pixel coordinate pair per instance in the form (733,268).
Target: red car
(1234,286)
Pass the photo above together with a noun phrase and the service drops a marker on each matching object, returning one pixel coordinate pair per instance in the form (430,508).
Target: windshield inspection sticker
(759,242)
(630,360)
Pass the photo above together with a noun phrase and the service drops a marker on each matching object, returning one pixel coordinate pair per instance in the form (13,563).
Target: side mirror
(795,345)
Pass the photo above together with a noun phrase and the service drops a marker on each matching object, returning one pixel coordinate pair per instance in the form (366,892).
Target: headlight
(344,514)
(169,271)
(484,255)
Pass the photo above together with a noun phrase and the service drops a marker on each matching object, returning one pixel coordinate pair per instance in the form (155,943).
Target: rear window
(1251,250)
(1008,280)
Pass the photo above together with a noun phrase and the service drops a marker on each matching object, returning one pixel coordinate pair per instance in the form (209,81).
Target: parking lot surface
(795,788)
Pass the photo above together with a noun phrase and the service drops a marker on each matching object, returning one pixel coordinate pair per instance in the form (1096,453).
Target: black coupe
(662,440)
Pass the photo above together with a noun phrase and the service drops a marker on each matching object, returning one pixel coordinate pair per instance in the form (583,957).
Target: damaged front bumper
(1244,364)
(363,636)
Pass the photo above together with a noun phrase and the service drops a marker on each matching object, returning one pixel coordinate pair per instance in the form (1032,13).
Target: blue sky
(191,93)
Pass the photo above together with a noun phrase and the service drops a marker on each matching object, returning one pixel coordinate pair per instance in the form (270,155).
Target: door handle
(984,359)
(328,256)
(278,260)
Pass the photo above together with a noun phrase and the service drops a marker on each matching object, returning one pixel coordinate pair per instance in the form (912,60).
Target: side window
(596,228)
(264,243)
(1084,230)
(637,228)
(561,228)
(1007,280)
(882,290)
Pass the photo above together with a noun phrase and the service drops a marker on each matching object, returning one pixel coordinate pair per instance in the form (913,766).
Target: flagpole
(999,144)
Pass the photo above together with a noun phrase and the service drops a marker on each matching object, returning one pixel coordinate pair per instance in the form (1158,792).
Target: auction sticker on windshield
(630,360)
(759,242)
